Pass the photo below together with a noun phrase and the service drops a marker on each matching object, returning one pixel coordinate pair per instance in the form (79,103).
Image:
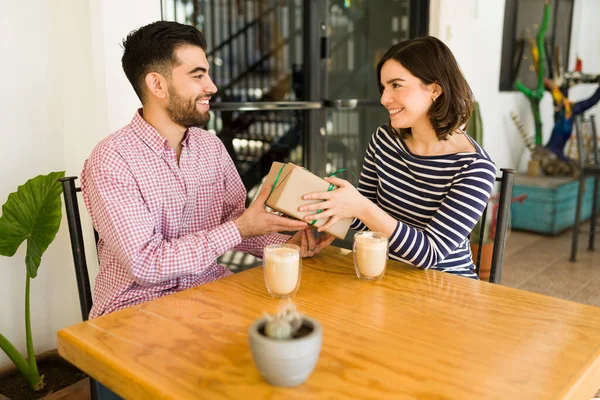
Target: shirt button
(184,280)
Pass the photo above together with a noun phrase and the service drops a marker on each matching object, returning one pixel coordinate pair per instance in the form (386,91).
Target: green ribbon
(275,182)
(331,185)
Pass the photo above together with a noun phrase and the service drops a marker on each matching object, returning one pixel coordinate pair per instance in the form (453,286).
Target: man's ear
(156,84)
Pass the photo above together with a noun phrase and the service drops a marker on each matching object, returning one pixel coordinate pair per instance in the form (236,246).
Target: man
(163,194)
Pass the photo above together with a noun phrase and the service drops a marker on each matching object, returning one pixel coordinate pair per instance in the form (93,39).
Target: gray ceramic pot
(285,362)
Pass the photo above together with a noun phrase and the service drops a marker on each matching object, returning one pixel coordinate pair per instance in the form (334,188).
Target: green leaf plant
(32,213)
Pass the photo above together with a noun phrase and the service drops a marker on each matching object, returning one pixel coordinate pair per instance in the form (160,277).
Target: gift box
(291,182)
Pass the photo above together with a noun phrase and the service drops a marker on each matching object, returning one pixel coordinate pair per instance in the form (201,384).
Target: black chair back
(77,246)
(506,181)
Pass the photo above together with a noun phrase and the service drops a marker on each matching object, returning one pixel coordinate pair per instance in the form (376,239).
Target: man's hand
(309,246)
(257,221)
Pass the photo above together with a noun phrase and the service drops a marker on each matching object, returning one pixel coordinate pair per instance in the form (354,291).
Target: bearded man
(163,194)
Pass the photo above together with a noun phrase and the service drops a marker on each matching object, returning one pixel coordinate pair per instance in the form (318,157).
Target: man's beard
(184,112)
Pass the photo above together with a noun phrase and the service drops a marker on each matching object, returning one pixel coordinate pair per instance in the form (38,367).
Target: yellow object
(535,54)
(559,98)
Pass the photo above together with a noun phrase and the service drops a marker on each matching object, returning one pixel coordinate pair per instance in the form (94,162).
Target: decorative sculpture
(538,53)
(551,157)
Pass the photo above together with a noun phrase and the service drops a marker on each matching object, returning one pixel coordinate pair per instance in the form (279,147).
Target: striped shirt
(437,200)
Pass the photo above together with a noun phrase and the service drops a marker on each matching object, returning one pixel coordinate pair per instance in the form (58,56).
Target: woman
(424,182)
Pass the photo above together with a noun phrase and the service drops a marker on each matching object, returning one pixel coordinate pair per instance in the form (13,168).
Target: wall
(64,91)
(32,144)
(473,31)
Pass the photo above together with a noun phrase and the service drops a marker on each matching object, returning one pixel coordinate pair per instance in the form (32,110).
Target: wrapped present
(291,182)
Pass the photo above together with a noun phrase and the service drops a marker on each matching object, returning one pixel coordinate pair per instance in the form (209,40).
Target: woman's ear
(436,91)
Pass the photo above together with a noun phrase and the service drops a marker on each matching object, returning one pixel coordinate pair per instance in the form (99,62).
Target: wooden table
(413,335)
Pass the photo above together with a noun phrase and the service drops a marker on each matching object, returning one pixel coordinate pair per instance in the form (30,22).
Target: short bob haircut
(431,61)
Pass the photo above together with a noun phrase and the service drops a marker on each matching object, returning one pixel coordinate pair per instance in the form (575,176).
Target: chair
(77,246)
(501,227)
(586,170)
(81,271)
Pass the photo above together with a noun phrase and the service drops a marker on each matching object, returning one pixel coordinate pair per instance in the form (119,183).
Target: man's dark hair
(151,48)
(431,61)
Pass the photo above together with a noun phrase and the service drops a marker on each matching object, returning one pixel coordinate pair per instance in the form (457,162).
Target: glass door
(359,33)
(256,49)
(296,78)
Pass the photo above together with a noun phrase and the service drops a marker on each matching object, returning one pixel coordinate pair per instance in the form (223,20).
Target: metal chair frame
(506,181)
(586,170)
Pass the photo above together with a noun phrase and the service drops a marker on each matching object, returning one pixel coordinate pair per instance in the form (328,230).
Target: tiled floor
(541,264)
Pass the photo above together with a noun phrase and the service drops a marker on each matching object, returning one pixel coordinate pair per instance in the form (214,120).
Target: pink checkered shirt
(162,225)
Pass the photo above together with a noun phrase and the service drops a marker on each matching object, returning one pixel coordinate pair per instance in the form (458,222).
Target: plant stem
(14,355)
(537,120)
(27,368)
(38,384)
(33,378)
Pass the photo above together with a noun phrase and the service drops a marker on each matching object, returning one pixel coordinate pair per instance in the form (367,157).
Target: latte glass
(370,255)
(282,266)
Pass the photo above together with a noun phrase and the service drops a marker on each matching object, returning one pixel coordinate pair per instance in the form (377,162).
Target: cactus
(538,52)
(285,324)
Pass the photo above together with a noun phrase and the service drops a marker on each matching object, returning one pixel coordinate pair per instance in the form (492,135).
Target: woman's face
(405,96)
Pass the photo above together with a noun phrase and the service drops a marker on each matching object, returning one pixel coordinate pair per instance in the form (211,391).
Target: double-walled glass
(370,255)
(282,266)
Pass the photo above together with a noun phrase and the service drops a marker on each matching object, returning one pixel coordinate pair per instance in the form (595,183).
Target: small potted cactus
(285,347)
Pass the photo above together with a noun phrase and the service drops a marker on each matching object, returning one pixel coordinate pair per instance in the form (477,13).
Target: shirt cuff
(224,237)
(278,238)
(358,225)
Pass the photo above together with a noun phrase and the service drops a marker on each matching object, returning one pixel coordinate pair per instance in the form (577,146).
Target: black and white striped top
(437,200)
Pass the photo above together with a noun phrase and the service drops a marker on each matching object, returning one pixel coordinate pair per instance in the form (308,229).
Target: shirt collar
(150,135)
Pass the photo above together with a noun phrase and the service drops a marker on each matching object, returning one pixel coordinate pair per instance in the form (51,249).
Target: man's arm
(128,228)
(235,200)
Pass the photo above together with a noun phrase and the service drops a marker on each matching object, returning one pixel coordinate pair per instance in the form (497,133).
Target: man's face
(190,88)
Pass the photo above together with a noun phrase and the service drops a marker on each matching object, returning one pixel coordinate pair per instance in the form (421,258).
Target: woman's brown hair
(431,61)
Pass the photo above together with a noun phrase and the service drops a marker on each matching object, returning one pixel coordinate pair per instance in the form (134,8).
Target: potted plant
(285,347)
(32,213)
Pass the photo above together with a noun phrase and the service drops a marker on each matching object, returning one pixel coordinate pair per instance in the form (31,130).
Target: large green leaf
(33,212)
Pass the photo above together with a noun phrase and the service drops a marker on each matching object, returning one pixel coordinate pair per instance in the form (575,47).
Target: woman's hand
(309,246)
(343,202)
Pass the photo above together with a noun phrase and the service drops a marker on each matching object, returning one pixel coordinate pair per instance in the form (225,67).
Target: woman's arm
(452,223)
(367,186)
(448,228)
